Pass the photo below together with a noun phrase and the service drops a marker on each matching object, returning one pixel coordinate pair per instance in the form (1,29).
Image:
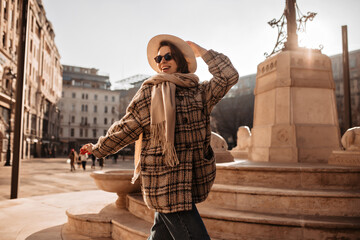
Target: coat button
(185,120)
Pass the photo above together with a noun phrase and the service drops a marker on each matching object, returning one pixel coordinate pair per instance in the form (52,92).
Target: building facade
(88,107)
(43,80)
(354,68)
(127,88)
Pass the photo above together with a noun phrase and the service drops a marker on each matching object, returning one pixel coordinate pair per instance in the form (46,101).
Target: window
(72,132)
(86,108)
(113,110)
(72,119)
(352,62)
(83,96)
(95,120)
(81,132)
(94,133)
(84,120)
(113,98)
(106,98)
(4,39)
(105,132)
(82,108)
(73,107)
(95,97)
(5,5)
(105,121)
(95,108)
(73,95)
(105,110)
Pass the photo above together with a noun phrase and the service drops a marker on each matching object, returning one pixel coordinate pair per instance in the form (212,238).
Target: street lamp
(9,75)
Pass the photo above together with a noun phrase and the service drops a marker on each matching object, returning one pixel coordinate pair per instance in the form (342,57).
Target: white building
(87,108)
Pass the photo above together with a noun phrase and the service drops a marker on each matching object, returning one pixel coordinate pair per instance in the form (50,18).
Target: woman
(73,156)
(84,157)
(170,119)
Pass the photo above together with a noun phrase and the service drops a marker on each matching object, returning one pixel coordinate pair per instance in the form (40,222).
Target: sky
(112,35)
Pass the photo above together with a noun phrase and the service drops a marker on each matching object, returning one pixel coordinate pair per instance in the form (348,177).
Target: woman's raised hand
(87,148)
(199,51)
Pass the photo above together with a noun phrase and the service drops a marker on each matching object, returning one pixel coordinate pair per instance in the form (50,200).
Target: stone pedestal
(345,158)
(295,116)
(240,154)
(220,147)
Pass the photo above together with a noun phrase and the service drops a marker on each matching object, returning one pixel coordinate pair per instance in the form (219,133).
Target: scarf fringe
(157,133)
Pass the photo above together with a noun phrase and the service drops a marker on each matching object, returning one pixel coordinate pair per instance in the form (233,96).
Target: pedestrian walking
(169,118)
(101,163)
(73,157)
(84,157)
(115,157)
(93,159)
(78,161)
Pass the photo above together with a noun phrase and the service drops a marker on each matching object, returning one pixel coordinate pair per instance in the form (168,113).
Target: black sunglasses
(167,57)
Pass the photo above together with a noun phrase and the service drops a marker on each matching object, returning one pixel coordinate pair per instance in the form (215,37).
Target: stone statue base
(295,117)
(240,154)
(223,156)
(345,158)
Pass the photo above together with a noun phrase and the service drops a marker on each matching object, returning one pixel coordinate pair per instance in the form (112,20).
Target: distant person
(78,161)
(93,159)
(73,157)
(101,162)
(169,118)
(84,157)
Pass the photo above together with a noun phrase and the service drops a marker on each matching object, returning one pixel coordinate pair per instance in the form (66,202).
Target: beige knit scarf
(163,114)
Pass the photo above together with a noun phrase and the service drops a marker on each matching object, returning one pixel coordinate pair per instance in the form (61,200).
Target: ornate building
(88,107)
(43,81)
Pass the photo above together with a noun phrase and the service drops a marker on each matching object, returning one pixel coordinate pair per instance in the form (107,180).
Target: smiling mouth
(164,69)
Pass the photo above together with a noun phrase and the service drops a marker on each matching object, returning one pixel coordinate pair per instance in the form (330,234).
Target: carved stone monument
(295,116)
(220,147)
(351,155)
(242,144)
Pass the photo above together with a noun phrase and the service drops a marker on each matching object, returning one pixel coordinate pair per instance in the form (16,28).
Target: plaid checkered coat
(171,189)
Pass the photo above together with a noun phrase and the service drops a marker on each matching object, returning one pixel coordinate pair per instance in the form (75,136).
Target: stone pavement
(47,189)
(42,176)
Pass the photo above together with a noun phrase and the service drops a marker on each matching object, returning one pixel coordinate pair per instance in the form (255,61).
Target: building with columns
(43,81)
(88,107)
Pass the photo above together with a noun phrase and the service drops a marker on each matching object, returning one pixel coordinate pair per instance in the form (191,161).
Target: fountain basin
(117,181)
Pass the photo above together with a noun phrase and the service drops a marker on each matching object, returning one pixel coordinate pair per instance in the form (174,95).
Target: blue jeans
(184,225)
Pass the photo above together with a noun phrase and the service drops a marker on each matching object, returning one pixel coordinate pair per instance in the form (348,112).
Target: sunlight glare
(308,41)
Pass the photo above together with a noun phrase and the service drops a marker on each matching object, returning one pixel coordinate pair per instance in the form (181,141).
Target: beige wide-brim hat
(153,47)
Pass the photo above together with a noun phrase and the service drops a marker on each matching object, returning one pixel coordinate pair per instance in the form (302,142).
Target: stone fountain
(89,222)
(116,181)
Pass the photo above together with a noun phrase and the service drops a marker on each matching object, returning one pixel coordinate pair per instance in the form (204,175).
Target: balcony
(82,124)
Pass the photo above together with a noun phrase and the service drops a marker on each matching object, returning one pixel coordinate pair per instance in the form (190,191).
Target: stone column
(295,116)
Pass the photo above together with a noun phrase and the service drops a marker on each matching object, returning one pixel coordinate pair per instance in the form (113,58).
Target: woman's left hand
(198,51)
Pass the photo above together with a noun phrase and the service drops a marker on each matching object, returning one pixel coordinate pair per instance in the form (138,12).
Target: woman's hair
(182,65)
